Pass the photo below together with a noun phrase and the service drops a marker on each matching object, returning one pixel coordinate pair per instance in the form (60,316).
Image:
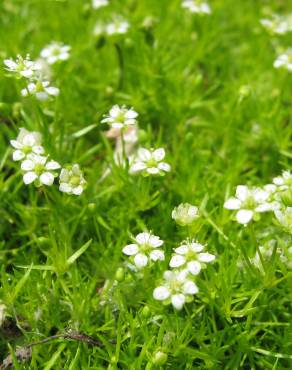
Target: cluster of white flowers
(117,26)
(197,6)
(124,128)
(278,24)
(37,72)
(39,169)
(275,197)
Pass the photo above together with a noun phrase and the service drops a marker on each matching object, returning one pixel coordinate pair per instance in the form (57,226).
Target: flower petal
(190,287)
(143,238)
(52,165)
(140,260)
(194,267)
(177,261)
(206,257)
(243,216)
(182,249)
(157,255)
(29,177)
(164,167)
(131,249)
(242,192)
(178,301)
(65,188)
(232,203)
(47,178)
(158,154)
(161,293)
(27,165)
(18,155)
(144,154)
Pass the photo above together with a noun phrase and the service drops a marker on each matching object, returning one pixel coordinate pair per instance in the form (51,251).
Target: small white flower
(189,256)
(248,202)
(149,162)
(196,6)
(144,249)
(71,180)
(39,170)
(117,26)
(22,67)
(185,214)
(285,218)
(176,289)
(283,182)
(41,89)
(55,52)
(284,60)
(278,24)
(26,143)
(120,117)
(99,3)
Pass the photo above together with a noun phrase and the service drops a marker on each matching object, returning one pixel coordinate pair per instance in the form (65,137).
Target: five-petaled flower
(185,214)
(22,67)
(39,170)
(55,52)
(189,256)
(26,143)
(120,117)
(149,162)
(41,89)
(71,180)
(248,202)
(144,249)
(176,289)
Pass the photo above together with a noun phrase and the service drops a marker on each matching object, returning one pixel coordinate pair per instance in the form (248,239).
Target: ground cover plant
(145,184)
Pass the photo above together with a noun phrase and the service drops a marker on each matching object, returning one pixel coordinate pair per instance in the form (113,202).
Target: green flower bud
(120,274)
(146,312)
(159,358)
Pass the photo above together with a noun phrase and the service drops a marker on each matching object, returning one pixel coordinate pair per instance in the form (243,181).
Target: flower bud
(185,214)
(146,312)
(120,274)
(91,207)
(159,358)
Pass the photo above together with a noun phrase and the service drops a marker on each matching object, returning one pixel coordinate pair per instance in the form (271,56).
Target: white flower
(115,27)
(285,218)
(149,162)
(185,214)
(39,170)
(72,180)
(41,89)
(144,249)
(196,6)
(23,67)
(56,52)
(284,60)
(283,182)
(99,3)
(120,117)
(189,256)
(26,143)
(278,24)
(176,289)
(248,202)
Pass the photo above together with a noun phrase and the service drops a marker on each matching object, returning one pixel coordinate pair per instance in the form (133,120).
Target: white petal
(37,149)
(177,261)
(29,177)
(77,190)
(18,155)
(206,257)
(53,91)
(194,267)
(190,288)
(182,249)
(232,203)
(42,96)
(29,140)
(115,111)
(168,275)
(140,260)
(164,167)
(52,165)
(153,170)
(158,154)
(157,255)
(131,114)
(16,144)
(243,216)
(161,293)
(65,188)
(242,192)
(155,241)
(47,178)
(27,165)
(144,154)
(196,247)
(178,301)
(143,238)
(137,167)
(130,249)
